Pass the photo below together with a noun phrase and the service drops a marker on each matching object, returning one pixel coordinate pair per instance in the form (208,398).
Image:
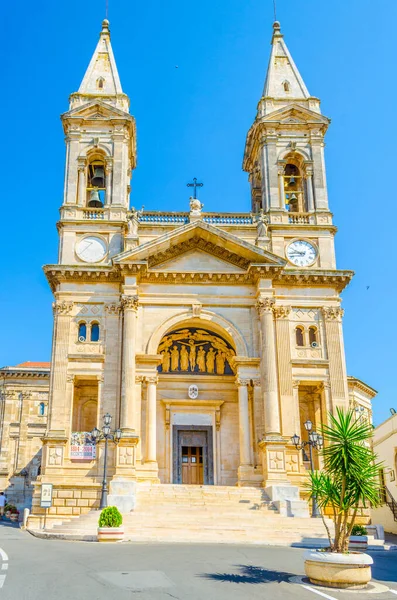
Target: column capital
(281,312)
(152,379)
(81,163)
(281,164)
(240,381)
(296,383)
(256,382)
(130,302)
(62,307)
(264,305)
(333,313)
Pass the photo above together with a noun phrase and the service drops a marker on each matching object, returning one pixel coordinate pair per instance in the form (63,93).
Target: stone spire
(283,79)
(101,79)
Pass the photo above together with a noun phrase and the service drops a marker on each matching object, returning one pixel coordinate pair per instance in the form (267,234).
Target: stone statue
(195,206)
(201,359)
(166,361)
(220,362)
(133,222)
(174,358)
(184,359)
(192,355)
(262,223)
(210,361)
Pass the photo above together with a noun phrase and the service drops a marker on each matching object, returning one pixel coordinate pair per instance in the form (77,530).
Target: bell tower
(100,140)
(284,157)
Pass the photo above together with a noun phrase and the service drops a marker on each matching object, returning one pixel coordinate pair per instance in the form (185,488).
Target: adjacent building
(385,445)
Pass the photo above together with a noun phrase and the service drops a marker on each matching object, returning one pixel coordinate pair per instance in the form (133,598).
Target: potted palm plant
(348,482)
(110,525)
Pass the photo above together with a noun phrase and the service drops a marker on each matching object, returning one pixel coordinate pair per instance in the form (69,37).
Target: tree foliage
(350,478)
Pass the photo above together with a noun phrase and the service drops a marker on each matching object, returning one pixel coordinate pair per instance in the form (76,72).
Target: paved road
(34,569)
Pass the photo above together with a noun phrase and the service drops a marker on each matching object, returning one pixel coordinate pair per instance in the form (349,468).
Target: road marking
(2,580)
(393,591)
(3,555)
(319,593)
(4,566)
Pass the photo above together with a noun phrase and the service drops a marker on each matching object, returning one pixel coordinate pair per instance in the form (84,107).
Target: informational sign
(46,495)
(86,452)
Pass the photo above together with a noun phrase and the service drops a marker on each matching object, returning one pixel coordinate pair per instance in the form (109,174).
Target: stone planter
(110,534)
(330,569)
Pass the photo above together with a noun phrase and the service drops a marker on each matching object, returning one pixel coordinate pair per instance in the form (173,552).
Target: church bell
(292,181)
(94,201)
(98,179)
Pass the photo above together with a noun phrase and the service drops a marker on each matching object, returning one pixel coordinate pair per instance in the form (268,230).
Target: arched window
(293,187)
(100,82)
(95,332)
(82,337)
(300,341)
(96,182)
(313,335)
(286,86)
(41,409)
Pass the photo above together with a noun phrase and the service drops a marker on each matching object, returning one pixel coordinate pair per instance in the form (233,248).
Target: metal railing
(391,503)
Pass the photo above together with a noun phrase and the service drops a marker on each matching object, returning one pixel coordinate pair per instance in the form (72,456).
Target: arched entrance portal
(197,388)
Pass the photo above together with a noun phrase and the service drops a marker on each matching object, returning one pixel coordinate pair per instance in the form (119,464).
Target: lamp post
(315,441)
(106,434)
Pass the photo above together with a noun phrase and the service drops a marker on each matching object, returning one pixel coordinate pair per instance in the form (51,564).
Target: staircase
(203,514)
(391,503)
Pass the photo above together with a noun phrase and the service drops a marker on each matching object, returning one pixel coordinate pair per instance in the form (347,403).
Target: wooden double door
(192,455)
(192,465)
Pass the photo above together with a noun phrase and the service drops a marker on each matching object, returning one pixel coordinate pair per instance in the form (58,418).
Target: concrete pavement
(35,569)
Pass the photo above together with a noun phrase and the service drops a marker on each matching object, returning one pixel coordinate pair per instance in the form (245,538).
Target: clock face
(91,249)
(301,253)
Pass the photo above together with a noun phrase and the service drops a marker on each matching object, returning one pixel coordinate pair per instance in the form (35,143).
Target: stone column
(336,356)
(82,191)
(244,422)
(151,435)
(127,409)
(310,194)
(108,169)
(283,336)
(269,367)
(280,171)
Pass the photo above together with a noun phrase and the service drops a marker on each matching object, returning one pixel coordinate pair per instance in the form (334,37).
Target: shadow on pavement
(249,574)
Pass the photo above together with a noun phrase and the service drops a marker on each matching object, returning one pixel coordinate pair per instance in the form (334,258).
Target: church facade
(210,338)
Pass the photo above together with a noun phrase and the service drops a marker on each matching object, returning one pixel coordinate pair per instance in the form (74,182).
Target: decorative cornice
(338,280)
(113,309)
(281,312)
(62,307)
(333,313)
(264,305)
(130,303)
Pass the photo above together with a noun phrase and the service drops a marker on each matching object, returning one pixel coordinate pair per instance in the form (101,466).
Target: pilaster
(336,356)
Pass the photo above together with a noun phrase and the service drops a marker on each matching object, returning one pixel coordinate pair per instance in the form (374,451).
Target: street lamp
(106,434)
(315,441)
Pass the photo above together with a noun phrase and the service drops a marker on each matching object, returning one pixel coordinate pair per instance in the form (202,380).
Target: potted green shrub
(110,525)
(8,509)
(14,516)
(349,481)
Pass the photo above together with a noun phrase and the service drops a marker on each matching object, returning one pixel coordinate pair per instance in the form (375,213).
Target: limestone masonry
(209,337)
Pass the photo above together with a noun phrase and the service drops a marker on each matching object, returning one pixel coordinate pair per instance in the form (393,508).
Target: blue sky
(192,121)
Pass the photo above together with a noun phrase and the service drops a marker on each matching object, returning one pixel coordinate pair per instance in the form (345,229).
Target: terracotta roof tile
(29,364)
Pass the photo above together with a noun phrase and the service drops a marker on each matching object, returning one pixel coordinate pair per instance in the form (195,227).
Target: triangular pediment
(196,243)
(198,260)
(96,110)
(295,113)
